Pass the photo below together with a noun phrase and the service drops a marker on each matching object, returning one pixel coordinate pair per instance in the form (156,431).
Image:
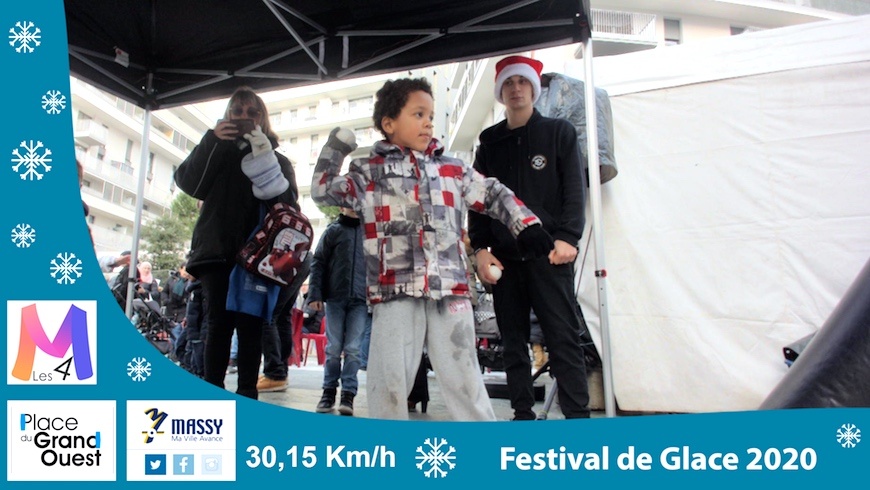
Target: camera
(244,126)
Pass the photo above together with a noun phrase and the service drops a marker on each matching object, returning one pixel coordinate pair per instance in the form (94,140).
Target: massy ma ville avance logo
(51,342)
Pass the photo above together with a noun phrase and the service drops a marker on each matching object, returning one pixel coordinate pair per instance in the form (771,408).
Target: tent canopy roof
(185,51)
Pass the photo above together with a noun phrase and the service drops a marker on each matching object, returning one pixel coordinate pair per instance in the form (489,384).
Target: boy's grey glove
(259,142)
(534,242)
(342,140)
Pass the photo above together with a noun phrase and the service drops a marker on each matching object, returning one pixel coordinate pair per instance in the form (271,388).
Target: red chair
(319,340)
(296,320)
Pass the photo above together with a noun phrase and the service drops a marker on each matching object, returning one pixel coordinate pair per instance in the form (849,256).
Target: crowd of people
(391,273)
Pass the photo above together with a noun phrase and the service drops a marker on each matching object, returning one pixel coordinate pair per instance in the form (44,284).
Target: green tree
(167,238)
(186,209)
(331,212)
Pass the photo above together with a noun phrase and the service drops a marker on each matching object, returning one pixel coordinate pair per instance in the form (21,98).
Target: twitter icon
(155,464)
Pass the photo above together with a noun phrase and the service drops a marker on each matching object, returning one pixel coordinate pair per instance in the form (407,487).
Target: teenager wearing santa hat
(536,157)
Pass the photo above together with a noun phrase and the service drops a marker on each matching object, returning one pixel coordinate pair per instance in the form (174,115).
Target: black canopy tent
(159,54)
(185,51)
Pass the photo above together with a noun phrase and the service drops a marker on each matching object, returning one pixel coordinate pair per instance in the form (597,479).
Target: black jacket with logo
(541,163)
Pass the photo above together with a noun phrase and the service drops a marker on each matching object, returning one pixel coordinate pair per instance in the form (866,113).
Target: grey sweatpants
(400,329)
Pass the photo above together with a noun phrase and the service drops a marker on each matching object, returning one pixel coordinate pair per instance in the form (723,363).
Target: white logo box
(61,440)
(203,429)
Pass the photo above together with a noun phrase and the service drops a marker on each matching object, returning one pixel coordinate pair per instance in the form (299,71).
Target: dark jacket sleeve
(573,178)
(479,229)
(166,294)
(319,265)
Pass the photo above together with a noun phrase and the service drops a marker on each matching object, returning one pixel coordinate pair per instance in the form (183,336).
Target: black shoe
(327,401)
(524,415)
(345,407)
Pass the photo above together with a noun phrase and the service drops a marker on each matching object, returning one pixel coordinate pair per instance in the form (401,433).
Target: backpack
(276,250)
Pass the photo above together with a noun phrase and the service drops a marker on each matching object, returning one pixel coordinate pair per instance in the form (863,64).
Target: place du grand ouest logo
(61,440)
(51,342)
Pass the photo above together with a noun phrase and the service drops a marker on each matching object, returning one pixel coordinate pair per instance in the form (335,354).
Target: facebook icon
(182,464)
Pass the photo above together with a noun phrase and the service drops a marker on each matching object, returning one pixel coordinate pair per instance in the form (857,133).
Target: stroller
(147,317)
(154,326)
(490,351)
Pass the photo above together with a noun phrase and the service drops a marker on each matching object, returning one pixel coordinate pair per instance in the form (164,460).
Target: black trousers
(220,324)
(278,334)
(549,289)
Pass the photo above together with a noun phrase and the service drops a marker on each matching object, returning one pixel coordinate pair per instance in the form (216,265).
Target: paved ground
(305,383)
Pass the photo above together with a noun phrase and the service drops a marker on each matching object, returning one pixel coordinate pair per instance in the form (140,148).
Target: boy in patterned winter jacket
(412,201)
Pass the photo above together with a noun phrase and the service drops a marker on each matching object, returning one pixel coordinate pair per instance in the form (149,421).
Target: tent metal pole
(140,199)
(597,228)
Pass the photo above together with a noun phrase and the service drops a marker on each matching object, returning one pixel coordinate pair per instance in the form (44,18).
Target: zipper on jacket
(207,165)
(353,263)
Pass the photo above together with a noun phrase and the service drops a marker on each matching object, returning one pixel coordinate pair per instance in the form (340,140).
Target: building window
(172,179)
(315,150)
(362,104)
(181,141)
(673,32)
(128,153)
(736,31)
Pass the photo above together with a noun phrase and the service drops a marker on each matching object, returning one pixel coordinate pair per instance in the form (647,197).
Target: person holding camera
(232,170)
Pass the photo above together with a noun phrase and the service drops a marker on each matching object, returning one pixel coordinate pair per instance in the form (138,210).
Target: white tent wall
(741,212)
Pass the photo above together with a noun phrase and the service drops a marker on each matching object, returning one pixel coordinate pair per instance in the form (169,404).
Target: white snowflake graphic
(435,458)
(23,235)
(68,267)
(53,102)
(32,161)
(22,36)
(139,369)
(848,435)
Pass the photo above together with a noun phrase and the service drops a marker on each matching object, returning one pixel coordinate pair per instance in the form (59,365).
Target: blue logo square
(155,464)
(182,464)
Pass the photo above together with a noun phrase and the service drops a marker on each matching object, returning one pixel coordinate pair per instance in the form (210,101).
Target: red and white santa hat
(527,68)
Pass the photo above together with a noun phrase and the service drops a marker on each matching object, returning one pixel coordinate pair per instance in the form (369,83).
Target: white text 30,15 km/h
(333,456)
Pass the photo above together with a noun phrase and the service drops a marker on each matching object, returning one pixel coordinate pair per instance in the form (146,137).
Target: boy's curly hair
(393,96)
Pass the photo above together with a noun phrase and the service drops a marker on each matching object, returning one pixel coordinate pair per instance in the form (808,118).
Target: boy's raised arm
(327,186)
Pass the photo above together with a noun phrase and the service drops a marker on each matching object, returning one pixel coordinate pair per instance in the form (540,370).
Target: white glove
(263,169)
(259,142)
(343,140)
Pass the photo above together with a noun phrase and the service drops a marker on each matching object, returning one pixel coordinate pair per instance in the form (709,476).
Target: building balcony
(472,103)
(322,121)
(125,177)
(615,32)
(90,133)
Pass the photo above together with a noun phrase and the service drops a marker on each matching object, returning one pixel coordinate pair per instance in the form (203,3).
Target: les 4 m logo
(52,342)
